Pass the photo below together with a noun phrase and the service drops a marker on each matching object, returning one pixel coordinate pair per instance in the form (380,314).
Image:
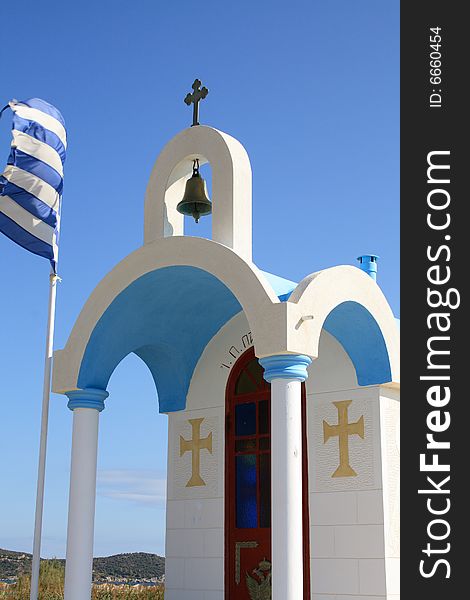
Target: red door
(248,484)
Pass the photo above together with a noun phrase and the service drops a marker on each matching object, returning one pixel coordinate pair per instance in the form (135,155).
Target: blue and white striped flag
(31,185)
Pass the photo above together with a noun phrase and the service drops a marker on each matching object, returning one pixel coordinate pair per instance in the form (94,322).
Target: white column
(286,373)
(286,477)
(81,520)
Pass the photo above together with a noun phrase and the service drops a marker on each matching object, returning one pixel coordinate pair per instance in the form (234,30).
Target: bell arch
(231,188)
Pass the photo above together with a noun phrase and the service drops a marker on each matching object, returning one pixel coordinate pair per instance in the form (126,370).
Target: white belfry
(204,318)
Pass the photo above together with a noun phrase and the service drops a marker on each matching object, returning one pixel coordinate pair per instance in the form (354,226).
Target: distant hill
(134,565)
(14,563)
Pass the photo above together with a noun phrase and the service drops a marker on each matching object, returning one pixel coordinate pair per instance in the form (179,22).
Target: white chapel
(282,401)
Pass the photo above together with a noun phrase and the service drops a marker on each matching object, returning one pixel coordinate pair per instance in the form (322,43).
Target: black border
(425,129)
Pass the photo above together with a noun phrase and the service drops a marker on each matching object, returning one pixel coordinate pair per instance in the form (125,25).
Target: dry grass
(51,587)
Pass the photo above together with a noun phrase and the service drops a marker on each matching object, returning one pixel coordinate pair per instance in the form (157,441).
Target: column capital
(285,366)
(87,398)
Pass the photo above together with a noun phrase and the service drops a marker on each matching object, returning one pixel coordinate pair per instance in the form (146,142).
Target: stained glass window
(248,456)
(264,443)
(265,490)
(252,448)
(251,379)
(256,371)
(245,419)
(245,445)
(246,486)
(245,384)
(263,419)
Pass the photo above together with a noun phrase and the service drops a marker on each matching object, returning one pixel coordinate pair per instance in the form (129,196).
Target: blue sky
(312,91)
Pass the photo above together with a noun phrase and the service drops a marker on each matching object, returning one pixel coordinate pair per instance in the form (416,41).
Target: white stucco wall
(346,513)
(195,515)
(354,521)
(349,558)
(390,436)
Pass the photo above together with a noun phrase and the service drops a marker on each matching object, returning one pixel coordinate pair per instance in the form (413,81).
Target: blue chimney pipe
(368,264)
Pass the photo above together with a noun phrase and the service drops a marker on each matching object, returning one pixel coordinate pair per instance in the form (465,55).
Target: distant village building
(282,401)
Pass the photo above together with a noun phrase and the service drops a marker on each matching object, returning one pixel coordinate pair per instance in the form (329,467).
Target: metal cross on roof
(195,98)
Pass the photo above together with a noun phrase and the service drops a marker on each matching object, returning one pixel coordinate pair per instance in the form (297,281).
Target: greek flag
(31,185)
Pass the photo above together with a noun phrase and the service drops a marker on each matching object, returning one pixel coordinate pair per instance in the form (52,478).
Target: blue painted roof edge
(283,288)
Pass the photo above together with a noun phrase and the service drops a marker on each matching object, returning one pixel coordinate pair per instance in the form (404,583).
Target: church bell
(195,202)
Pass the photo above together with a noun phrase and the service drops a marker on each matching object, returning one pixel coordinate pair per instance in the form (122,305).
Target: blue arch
(359,334)
(166,317)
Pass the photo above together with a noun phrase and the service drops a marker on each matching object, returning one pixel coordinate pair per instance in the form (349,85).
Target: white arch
(246,282)
(231,187)
(318,294)
(277,327)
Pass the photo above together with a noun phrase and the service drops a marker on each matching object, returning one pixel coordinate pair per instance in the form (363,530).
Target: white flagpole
(53,278)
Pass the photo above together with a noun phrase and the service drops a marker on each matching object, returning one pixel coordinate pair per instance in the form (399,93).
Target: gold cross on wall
(343,430)
(195,446)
